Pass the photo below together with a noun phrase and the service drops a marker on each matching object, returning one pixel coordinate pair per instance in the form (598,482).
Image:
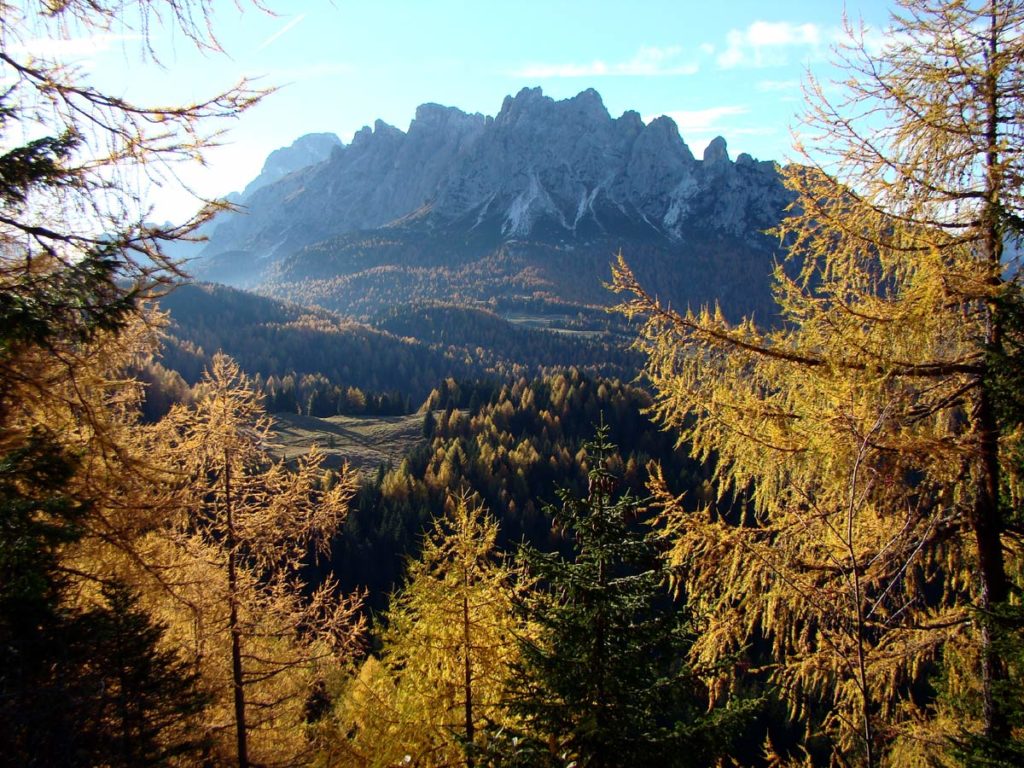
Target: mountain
(523,209)
(307,150)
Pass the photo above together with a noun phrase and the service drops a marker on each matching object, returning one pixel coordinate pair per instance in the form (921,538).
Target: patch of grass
(365,442)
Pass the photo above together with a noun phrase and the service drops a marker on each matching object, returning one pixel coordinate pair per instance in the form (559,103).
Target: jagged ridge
(559,173)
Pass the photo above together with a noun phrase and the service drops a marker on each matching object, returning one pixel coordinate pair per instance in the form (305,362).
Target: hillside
(316,362)
(363,442)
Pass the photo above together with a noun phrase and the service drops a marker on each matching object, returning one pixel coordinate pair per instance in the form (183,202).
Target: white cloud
(783,33)
(699,126)
(649,61)
(701,120)
(69,48)
(766,43)
(880,40)
(281,32)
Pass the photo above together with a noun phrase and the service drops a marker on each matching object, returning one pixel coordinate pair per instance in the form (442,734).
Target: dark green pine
(77,688)
(605,680)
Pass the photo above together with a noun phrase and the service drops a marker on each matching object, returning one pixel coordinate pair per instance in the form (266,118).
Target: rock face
(564,173)
(540,167)
(306,150)
(567,168)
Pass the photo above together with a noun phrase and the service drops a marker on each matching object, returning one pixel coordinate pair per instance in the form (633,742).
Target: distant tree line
(395,364)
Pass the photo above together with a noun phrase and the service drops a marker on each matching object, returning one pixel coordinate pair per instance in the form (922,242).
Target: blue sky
(719,68)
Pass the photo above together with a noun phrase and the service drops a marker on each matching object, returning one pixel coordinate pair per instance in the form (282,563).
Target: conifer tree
(39,716)
(77,261)
(148,699)
(865,428)
(245,528)
(604,681)
(77,686)
(76,253)
(446,651)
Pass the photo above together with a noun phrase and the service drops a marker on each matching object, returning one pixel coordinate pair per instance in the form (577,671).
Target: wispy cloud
(699,126)
(288,27)
(701,120)
(69,48)
(878,41)
(768,43)
(777,86)
(649,61)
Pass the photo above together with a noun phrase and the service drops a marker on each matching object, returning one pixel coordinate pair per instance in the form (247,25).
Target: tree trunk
(468,681)
(236,634)
(985,522)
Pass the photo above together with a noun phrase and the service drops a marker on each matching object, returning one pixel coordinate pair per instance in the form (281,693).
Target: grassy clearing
(364,442)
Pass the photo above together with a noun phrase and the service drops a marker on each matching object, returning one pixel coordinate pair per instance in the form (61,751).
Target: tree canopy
(601,679)
(865,432)
(88,675)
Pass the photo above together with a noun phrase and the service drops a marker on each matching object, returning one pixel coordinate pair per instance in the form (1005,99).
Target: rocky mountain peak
(716,152)
(530,107)
(559,171)
(590,106)
(514,107)
(630,123)
(662,135)
(361,137)
(306,150)
(438,117)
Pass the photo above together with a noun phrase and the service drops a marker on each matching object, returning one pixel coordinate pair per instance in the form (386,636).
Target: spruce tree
(77,258)
(603,679)
(78,687)
(147,705)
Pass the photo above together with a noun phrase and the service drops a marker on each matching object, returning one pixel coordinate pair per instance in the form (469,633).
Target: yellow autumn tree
(245,526)
(77,255)
(78,259)
(447,647)
(857,443)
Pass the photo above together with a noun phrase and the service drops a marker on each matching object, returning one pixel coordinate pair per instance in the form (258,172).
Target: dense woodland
(788,545)
(514,445)
(308,360)
(362,274)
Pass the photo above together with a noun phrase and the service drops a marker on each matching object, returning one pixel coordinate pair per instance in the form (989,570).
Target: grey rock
(540,169)
(306,150)
(716,153)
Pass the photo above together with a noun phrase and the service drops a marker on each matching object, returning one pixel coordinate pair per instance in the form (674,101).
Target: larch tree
(245,529)
(446,651)
(82,682)
(77,259)
(76,253)
(862,435)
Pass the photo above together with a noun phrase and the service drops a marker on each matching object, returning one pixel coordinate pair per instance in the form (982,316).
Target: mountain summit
(539,180)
